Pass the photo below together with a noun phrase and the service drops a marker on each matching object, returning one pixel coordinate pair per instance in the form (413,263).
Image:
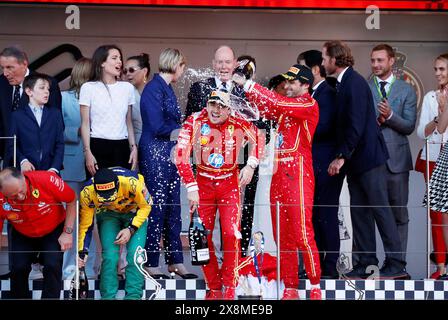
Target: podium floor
(174,289)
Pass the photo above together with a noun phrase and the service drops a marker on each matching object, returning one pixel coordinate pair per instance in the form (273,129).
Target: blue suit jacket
(32,140)
(359,138)
(159,110)
(403,101)
(325,136)
(6,92)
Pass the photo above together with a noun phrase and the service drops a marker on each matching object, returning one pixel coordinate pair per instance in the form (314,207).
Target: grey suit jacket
(403,101)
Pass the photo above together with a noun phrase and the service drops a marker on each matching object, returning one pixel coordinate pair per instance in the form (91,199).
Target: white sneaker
(36,272)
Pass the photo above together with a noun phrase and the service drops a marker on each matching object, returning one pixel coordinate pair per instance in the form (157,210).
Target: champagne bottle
(245,68)
(197,235)
(83,284)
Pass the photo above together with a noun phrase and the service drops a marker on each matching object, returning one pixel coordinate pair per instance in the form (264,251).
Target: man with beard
(292,184)
(361,153)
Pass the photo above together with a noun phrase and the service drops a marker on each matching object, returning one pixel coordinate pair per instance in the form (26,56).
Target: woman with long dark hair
(106,114)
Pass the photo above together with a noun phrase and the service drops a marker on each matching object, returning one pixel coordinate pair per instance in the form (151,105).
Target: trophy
(140,258)
(252,289)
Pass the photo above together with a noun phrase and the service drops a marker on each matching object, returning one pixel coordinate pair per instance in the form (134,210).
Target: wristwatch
(68,230)
(132,229)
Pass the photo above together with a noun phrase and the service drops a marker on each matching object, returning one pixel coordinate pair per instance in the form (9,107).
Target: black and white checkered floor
(331,289)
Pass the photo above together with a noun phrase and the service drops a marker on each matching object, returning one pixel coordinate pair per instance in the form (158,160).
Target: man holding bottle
(118,199)
(216,138)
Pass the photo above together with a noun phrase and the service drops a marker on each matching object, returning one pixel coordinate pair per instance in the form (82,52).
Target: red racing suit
(216,149)
(293,180)
(42,210)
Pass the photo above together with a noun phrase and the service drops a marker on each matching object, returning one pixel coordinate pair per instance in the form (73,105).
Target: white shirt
(108,108)
(342,74)
(37,111)
(389,81)
(219,85)
(317,86)
(430,109)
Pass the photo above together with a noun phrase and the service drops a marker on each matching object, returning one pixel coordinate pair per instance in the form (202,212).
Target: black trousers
(369,206)
(23,252)
(110,153)
(247,214)
(325,217)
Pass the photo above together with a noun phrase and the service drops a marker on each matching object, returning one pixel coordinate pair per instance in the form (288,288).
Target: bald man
(32,203)
(224,62)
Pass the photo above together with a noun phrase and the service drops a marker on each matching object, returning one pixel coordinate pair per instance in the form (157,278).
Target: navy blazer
(325,137)
(6,93)
(199,92)
(34,141)
(159,110)
(359,138)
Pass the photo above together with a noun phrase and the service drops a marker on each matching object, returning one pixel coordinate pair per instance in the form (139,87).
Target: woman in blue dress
(161,117)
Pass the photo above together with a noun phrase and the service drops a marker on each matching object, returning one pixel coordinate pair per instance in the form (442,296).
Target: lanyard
(378,86)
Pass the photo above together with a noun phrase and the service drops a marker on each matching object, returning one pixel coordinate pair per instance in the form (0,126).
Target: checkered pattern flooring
(331,289)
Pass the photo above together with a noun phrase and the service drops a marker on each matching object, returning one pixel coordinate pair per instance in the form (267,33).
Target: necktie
(383,88)
(224,86)
(16,97)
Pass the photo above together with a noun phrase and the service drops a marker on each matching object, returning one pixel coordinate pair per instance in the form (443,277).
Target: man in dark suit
(396,111)
(224,62)
(327,188)
(14,63)
(361,153)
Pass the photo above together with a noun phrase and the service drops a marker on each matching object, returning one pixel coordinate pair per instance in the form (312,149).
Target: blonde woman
(161,115)
(433,126)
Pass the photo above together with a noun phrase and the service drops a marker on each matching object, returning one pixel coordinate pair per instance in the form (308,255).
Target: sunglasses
(131,70)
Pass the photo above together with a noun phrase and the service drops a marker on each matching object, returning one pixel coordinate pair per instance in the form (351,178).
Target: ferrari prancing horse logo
(35,193)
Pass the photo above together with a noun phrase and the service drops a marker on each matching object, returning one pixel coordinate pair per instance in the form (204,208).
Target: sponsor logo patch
(204,140)
(279,141)
(12,216)
(35,193)
(205,129)
(7,206)
(216,160)
(105,186)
